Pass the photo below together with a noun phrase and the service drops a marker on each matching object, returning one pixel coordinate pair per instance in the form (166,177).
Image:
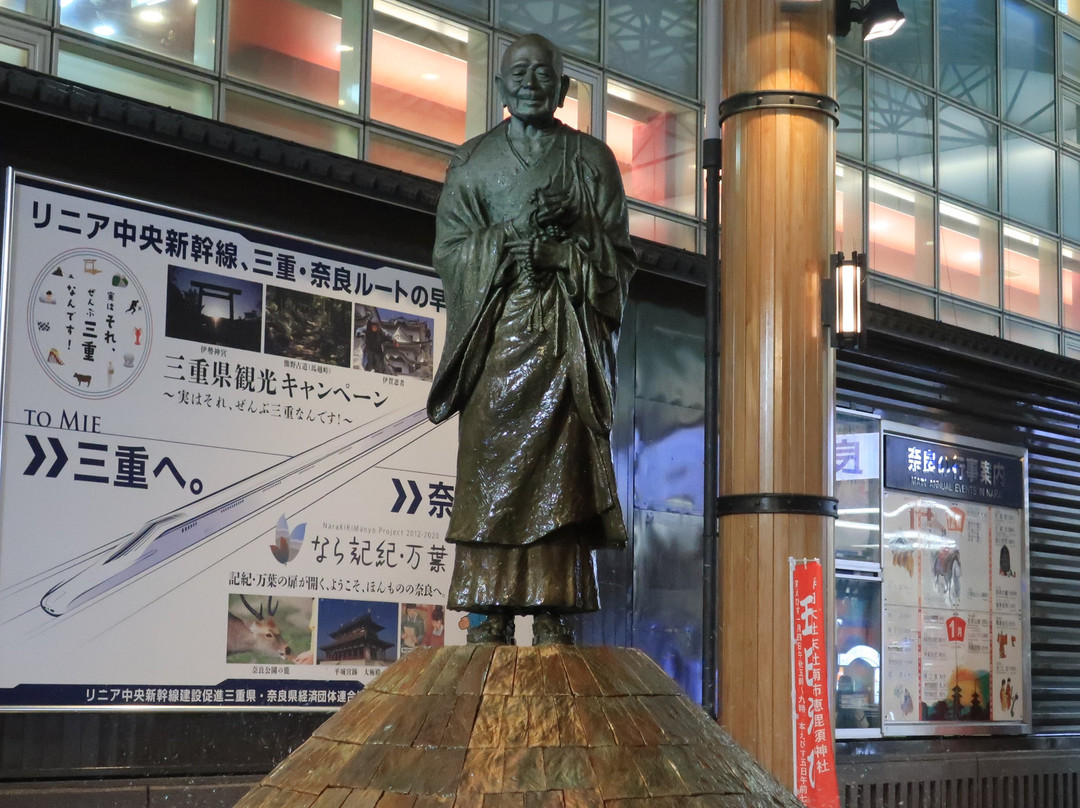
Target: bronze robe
(529,364)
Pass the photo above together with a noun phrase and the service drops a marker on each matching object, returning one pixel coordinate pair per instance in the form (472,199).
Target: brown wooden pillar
(776,367)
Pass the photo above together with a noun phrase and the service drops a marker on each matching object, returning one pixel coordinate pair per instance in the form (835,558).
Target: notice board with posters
(218,484)
(954,586)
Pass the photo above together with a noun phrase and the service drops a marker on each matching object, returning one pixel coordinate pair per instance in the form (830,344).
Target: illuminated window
(956,313)
(35,8)
(177,29)
(14,55)
(405,156)
(1070,287)
(901,224)
(662,230)
(285,122)
(306,48)
(968,247)
(127,77)
(849,209)
(1030,275)
(654,141)
(428,75)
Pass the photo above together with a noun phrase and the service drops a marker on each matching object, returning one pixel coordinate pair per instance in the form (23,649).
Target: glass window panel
(655,142)
(968,51)
(127,77)
(901,224)
(972,319)
(1070,287)
(1028,67)
(663,230)
(1070,113)
(470,8)
(967,156)
(1042,338)
(1030,275)
(1070,56)
(858,654)
(849,209)
(428,75)
(968,247)
(901,129)
(654,42)
(857,474)
(1030,184)
(668,472)
(1070,197)
(1070,7)
(405,156)
(900,297)
(306,48)
(177,29)
(573,25)
(285,122)
(852,43)
(910,51)
(35,8)
(14,55)
(849,92)
(576,110)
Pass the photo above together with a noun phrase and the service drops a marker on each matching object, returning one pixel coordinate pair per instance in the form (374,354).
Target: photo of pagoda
(352,632)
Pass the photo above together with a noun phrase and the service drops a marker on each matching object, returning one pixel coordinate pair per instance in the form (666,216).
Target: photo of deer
(267,629)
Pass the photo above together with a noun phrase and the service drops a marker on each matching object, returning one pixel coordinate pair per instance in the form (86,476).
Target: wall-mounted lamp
(878,18)
(843,295)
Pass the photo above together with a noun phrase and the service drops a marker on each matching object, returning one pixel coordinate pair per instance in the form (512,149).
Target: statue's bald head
(535,40)
(531,80)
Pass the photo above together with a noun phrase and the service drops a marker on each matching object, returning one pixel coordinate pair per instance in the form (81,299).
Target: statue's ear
(502,89)
(564,88)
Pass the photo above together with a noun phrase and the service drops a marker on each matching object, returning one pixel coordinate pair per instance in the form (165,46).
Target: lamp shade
(881,18)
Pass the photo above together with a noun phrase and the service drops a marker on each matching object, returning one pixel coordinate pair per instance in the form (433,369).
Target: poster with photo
(953,525)
(219,486)
(902,658)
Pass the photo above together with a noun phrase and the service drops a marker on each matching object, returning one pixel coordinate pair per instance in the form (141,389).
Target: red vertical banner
(815,761)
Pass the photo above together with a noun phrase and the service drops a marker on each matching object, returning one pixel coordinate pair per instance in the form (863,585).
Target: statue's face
(531,84)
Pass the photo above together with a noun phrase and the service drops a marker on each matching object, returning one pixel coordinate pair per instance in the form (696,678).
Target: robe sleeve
(606,262)
(469,257)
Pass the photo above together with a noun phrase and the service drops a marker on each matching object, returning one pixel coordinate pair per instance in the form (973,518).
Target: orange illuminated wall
(287,46)
(418,88)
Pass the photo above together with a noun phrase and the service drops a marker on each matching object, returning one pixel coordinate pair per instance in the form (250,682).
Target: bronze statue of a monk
(533,250)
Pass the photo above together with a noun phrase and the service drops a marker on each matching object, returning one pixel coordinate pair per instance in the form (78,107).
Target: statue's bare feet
(550,628)
(497,629)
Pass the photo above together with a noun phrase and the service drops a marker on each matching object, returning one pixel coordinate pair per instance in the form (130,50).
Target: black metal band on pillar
(780,99)
(803,504)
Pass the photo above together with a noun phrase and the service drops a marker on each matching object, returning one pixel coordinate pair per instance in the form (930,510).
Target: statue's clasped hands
(544,250)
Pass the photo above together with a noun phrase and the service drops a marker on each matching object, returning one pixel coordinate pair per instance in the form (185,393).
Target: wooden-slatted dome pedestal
(486,726)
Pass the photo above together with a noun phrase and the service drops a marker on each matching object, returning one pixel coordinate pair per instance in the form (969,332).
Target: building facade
(957,172)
